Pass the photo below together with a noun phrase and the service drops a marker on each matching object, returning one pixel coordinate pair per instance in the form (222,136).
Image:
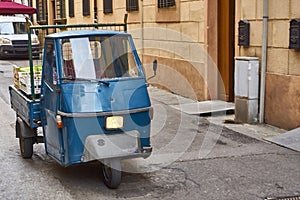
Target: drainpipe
(142,29)
(264,62)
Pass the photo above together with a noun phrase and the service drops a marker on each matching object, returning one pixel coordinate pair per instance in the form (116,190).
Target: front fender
(122,145)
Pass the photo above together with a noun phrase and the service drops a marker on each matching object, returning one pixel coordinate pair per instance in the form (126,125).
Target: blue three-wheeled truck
(93,102)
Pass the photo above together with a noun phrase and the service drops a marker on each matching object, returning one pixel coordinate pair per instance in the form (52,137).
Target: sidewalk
(258,131)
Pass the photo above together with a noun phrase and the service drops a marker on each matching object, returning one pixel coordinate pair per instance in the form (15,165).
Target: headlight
(35,40)
(5,41)
(114,122)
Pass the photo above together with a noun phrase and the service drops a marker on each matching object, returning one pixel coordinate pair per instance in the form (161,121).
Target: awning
(8,7)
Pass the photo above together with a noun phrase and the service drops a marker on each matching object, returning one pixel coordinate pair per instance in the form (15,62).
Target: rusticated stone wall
(282,107)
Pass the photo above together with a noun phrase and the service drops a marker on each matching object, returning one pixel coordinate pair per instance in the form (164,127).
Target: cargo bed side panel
(28,110)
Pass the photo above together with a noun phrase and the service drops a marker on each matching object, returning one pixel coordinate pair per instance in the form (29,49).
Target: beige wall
(281,60)
(79,18)
(283,63)
(172,36)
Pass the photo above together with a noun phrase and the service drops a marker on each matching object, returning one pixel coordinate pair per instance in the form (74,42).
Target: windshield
(98,57)
(10,28)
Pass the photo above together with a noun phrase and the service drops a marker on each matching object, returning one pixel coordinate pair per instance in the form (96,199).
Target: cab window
(50,71)
(98,57)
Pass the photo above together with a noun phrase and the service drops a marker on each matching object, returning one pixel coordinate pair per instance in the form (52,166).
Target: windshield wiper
(104,82)
(68,78)
(85,79)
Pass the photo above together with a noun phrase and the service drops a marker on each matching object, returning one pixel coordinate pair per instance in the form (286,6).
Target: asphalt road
(192,159)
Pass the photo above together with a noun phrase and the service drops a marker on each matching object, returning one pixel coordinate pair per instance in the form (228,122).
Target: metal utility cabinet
(246,89)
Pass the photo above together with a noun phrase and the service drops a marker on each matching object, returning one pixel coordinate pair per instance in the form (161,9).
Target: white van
(14,38)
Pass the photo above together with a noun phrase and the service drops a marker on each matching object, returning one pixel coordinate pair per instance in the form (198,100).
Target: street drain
(284,198)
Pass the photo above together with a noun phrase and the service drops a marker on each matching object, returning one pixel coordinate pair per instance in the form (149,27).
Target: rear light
(59,121)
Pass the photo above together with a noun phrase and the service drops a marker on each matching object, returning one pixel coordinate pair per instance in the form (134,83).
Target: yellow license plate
(114,122)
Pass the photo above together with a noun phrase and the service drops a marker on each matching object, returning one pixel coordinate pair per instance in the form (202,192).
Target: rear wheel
(111,170)
(26,147)
(26,144)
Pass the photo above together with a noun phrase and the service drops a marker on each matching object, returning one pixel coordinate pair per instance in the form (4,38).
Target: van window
(10,28)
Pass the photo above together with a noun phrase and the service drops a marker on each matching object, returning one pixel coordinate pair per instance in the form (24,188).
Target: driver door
(49,101)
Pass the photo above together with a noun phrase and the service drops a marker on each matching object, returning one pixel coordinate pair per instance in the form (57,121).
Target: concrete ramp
(190,106)
(205,107)
(290,139)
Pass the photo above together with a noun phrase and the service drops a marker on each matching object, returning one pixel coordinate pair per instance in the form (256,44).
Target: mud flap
(24,129)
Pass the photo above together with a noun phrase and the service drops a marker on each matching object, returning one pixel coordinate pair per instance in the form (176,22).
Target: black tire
(26,147)
(111,170)
(26,144)
(18,129)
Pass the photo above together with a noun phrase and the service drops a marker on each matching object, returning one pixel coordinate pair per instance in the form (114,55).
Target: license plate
(114,122)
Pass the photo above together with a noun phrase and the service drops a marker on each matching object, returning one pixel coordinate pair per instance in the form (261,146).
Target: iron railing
(44,30)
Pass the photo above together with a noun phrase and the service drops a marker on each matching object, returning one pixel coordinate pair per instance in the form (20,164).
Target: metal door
(49,103)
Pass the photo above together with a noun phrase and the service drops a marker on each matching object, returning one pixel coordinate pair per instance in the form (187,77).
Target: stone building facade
(194,43)
(282,102)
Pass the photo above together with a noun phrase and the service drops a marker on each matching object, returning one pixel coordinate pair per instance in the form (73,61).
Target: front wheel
(111,170)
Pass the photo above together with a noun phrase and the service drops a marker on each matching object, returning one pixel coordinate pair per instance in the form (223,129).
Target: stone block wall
(280,59)
(175,37)
(282,106)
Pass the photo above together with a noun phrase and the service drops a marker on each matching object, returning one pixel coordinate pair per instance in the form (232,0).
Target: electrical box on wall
(246,89)
(294,42)
(244,33)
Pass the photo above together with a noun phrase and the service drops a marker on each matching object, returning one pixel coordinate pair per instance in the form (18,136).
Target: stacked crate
(22,79)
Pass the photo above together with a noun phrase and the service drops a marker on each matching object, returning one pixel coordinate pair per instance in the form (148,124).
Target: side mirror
(37,32)
(154,67)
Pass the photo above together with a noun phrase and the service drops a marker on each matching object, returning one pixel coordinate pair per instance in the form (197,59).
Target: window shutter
(86,7)
(60,9)
(71,8)
(132,5)
(107,6)
(166,3)
(41,11)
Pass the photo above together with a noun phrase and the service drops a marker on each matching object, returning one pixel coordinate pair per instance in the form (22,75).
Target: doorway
(220,45)
(226,24)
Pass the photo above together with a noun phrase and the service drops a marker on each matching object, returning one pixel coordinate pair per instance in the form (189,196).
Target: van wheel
(111,170)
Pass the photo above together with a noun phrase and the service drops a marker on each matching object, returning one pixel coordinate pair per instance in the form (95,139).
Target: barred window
(86,7)
(107,6)
(41,11)
(166,3)
(60,9)
(71,8)
(132,5)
